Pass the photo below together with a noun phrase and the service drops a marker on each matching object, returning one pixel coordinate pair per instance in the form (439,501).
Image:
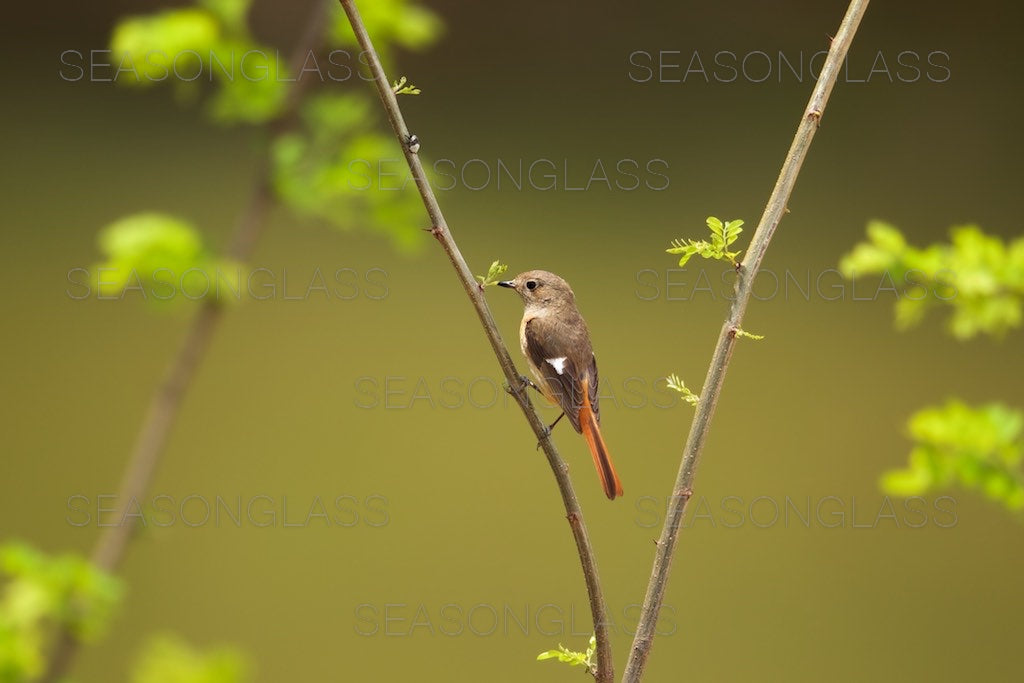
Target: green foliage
(152,252)
(572,658)
(40,591)
(391,23)
(168,659)
(230,13)
(335,165)
(749,335)
(338,168)
(400,87)
(257,91)
(210,42)
(677,384)
(982,279)
(977,275)
(496,270)
(146,47)
(979,448)
(722,236)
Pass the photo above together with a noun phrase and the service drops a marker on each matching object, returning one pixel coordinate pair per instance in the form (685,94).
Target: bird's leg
(527,382)
(547,430)
(524,382)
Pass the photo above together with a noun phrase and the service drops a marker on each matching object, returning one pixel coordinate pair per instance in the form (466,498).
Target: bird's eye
(531,284)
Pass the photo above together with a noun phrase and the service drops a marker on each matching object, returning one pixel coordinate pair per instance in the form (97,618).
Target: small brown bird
(556,343)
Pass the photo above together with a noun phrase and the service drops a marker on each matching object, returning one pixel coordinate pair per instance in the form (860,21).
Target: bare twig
(605,670)
(682,492)
(165,404)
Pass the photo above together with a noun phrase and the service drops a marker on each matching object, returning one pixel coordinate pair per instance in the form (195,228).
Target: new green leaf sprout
(572,658)
(494,273)
(399,87)
(677,384)
(722,236)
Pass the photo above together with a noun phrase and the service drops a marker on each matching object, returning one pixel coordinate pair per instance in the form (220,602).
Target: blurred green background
(472,523)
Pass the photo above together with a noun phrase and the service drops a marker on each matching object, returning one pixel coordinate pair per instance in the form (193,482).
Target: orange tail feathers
(602,461)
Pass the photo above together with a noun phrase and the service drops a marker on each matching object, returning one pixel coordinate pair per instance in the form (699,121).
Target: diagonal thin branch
(605,669)
(773,212)
(165,404)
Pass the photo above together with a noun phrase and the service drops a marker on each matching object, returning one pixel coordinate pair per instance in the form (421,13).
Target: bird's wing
(592,387)
(553,350)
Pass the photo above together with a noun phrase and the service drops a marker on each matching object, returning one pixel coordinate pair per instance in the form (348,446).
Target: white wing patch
(557,363)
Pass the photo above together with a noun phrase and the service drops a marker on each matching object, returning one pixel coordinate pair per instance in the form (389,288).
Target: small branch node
(524,383)
(509,389)
(545,437)
(684,494)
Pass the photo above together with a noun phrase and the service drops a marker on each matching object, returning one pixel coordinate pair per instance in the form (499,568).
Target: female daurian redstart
(556,344)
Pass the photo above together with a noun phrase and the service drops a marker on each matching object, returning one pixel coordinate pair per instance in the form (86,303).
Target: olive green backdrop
(450,558)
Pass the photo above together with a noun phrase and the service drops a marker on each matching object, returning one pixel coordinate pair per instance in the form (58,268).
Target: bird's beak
(511,284)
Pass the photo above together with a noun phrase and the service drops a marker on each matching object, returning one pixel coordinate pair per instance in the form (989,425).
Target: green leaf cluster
(741,334)
(496,270)
(391,23)
(338,168)
(979,276)
(979,448)
(168,659)
(982,279)
(403,87)
(194,45)
(40,591)
(330,166)
(567,656)
(722,236)
(150,251)
(677,384)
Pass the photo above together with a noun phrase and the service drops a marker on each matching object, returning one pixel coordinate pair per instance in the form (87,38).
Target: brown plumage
(556,343)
